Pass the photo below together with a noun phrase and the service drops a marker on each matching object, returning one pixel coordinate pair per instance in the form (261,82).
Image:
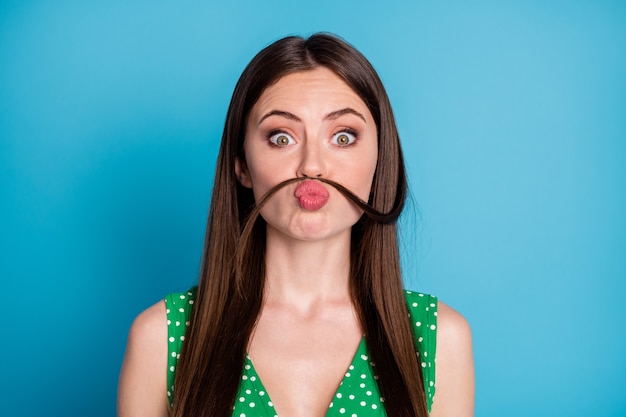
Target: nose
(312,163)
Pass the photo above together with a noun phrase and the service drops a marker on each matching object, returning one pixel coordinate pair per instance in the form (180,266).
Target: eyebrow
(330,116)
(281,113)
(338,113)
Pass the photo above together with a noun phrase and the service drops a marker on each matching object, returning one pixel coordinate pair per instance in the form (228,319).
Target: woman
(301,265)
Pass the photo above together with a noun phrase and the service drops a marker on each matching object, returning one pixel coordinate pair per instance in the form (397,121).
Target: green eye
(281,139)
(344,138)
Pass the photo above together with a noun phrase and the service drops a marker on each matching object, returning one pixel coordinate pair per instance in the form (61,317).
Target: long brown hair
(232,277)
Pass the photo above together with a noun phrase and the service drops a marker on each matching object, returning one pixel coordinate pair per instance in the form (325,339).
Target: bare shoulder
(142,389)
(150,325)
(452,328)
(454,395)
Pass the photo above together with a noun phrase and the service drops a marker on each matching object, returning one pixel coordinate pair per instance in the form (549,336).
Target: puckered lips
(311,195)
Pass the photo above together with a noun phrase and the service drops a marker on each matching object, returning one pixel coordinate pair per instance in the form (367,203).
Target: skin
(142,388)
(307,124)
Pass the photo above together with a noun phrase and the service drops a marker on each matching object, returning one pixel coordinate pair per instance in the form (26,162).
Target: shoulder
(142,384)
(455,365)
(148,332)
(150,325)
(454,329)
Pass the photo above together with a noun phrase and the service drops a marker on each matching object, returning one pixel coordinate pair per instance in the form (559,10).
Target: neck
(307,272)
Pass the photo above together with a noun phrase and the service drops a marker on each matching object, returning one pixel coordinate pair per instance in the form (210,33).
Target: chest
(356,394)
(300,363)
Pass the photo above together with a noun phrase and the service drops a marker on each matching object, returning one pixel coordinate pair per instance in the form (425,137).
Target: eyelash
(275,133)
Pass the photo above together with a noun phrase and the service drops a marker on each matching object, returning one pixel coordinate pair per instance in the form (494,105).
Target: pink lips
(311,195)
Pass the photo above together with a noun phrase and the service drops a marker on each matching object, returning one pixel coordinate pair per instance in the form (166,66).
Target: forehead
(319,88)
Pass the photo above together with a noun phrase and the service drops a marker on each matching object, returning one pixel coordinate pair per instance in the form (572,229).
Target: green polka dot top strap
(178,307)
(423,315)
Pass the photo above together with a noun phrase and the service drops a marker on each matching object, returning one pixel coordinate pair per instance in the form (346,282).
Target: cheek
(360,183)
(264,176)
(365,177)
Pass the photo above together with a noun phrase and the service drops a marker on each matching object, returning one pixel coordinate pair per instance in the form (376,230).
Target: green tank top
(357,394)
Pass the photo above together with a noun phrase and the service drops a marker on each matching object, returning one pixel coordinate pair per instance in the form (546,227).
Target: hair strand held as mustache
(245,241)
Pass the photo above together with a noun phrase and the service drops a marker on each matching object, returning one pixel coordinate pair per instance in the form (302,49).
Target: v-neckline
(251,374)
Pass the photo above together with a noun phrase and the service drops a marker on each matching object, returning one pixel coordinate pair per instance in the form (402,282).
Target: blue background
(512,117)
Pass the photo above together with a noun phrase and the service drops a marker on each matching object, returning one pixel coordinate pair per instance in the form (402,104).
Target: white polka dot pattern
(177,306)
(357,394)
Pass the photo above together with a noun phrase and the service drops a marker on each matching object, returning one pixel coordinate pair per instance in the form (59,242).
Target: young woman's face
(309,124)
